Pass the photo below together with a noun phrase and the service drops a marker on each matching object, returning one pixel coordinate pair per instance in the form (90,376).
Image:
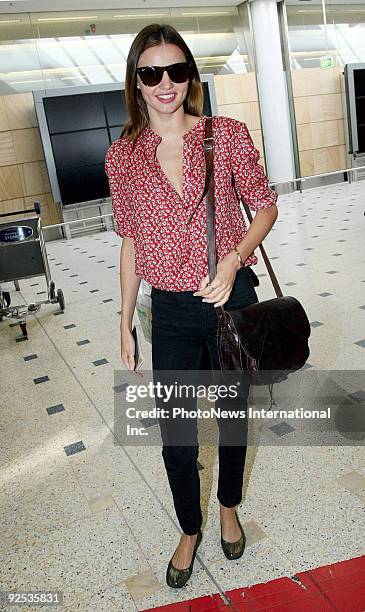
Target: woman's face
(167,96)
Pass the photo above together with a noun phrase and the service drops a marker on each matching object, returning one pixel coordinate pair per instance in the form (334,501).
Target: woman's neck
(171,126)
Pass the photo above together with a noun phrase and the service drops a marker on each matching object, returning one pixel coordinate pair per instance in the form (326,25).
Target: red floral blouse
(170,254)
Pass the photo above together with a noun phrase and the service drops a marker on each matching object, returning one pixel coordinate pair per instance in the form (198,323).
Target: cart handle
(36,209)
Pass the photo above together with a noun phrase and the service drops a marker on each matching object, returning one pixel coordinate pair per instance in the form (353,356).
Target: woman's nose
(166,82)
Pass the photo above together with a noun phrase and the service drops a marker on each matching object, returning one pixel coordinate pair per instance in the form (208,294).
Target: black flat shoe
(234,550)
(177,578)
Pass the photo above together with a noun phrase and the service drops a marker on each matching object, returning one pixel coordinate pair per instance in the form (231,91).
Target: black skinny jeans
(183,328)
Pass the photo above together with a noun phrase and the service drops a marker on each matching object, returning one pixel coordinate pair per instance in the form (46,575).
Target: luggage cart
(23,255)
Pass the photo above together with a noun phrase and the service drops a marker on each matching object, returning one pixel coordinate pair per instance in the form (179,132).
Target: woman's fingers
(127,348)
(223,301)
(220,299)
(217,293)
(203,284)
(211,289)
(128,360)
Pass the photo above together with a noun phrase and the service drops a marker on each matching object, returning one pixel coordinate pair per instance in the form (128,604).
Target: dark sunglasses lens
(151,75)
(179,73)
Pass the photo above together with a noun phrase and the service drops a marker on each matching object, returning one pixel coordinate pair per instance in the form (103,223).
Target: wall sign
(15,233)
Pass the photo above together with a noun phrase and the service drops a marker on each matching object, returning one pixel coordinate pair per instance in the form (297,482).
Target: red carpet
(339,586)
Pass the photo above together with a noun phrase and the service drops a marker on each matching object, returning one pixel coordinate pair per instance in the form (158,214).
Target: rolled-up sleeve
(121,205)
(252,185)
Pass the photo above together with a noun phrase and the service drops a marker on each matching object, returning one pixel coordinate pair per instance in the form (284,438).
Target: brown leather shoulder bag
(268,339)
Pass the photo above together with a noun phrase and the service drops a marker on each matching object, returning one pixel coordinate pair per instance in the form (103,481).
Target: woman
(156,174)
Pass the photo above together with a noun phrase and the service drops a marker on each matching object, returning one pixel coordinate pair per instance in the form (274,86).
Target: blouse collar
(150,140)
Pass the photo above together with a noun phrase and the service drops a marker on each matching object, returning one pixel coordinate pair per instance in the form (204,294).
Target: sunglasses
(152,75)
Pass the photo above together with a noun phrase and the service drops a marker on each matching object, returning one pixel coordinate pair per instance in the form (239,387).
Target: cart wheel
(61,299)
(23,327)
(7,298)
(37,207)
(52,291)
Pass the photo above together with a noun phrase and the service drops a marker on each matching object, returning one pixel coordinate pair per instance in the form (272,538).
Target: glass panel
(346,32)
(307,35)
(19,62)
(339,34)
(323,36)
(52,50)
(245,37)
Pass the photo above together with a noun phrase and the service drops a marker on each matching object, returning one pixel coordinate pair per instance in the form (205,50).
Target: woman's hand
(222,284)
(127,347)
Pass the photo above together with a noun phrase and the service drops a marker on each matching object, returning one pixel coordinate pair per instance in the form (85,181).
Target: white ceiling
(35,6)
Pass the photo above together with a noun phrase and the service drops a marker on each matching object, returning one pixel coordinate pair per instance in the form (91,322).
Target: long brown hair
(150,36)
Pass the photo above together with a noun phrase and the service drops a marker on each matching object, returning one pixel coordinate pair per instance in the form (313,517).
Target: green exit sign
(326,62)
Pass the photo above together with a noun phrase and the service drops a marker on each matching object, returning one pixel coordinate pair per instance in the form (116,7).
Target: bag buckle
(208,146)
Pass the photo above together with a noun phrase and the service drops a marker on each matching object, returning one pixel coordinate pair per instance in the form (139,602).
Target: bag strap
(208,144)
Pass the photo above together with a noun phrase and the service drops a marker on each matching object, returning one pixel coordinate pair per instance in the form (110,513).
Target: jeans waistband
(242,272)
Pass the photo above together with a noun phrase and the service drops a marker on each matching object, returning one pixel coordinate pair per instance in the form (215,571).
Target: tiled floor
(96,520)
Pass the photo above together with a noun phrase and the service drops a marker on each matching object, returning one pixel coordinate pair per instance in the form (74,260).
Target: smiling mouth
(166,97)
